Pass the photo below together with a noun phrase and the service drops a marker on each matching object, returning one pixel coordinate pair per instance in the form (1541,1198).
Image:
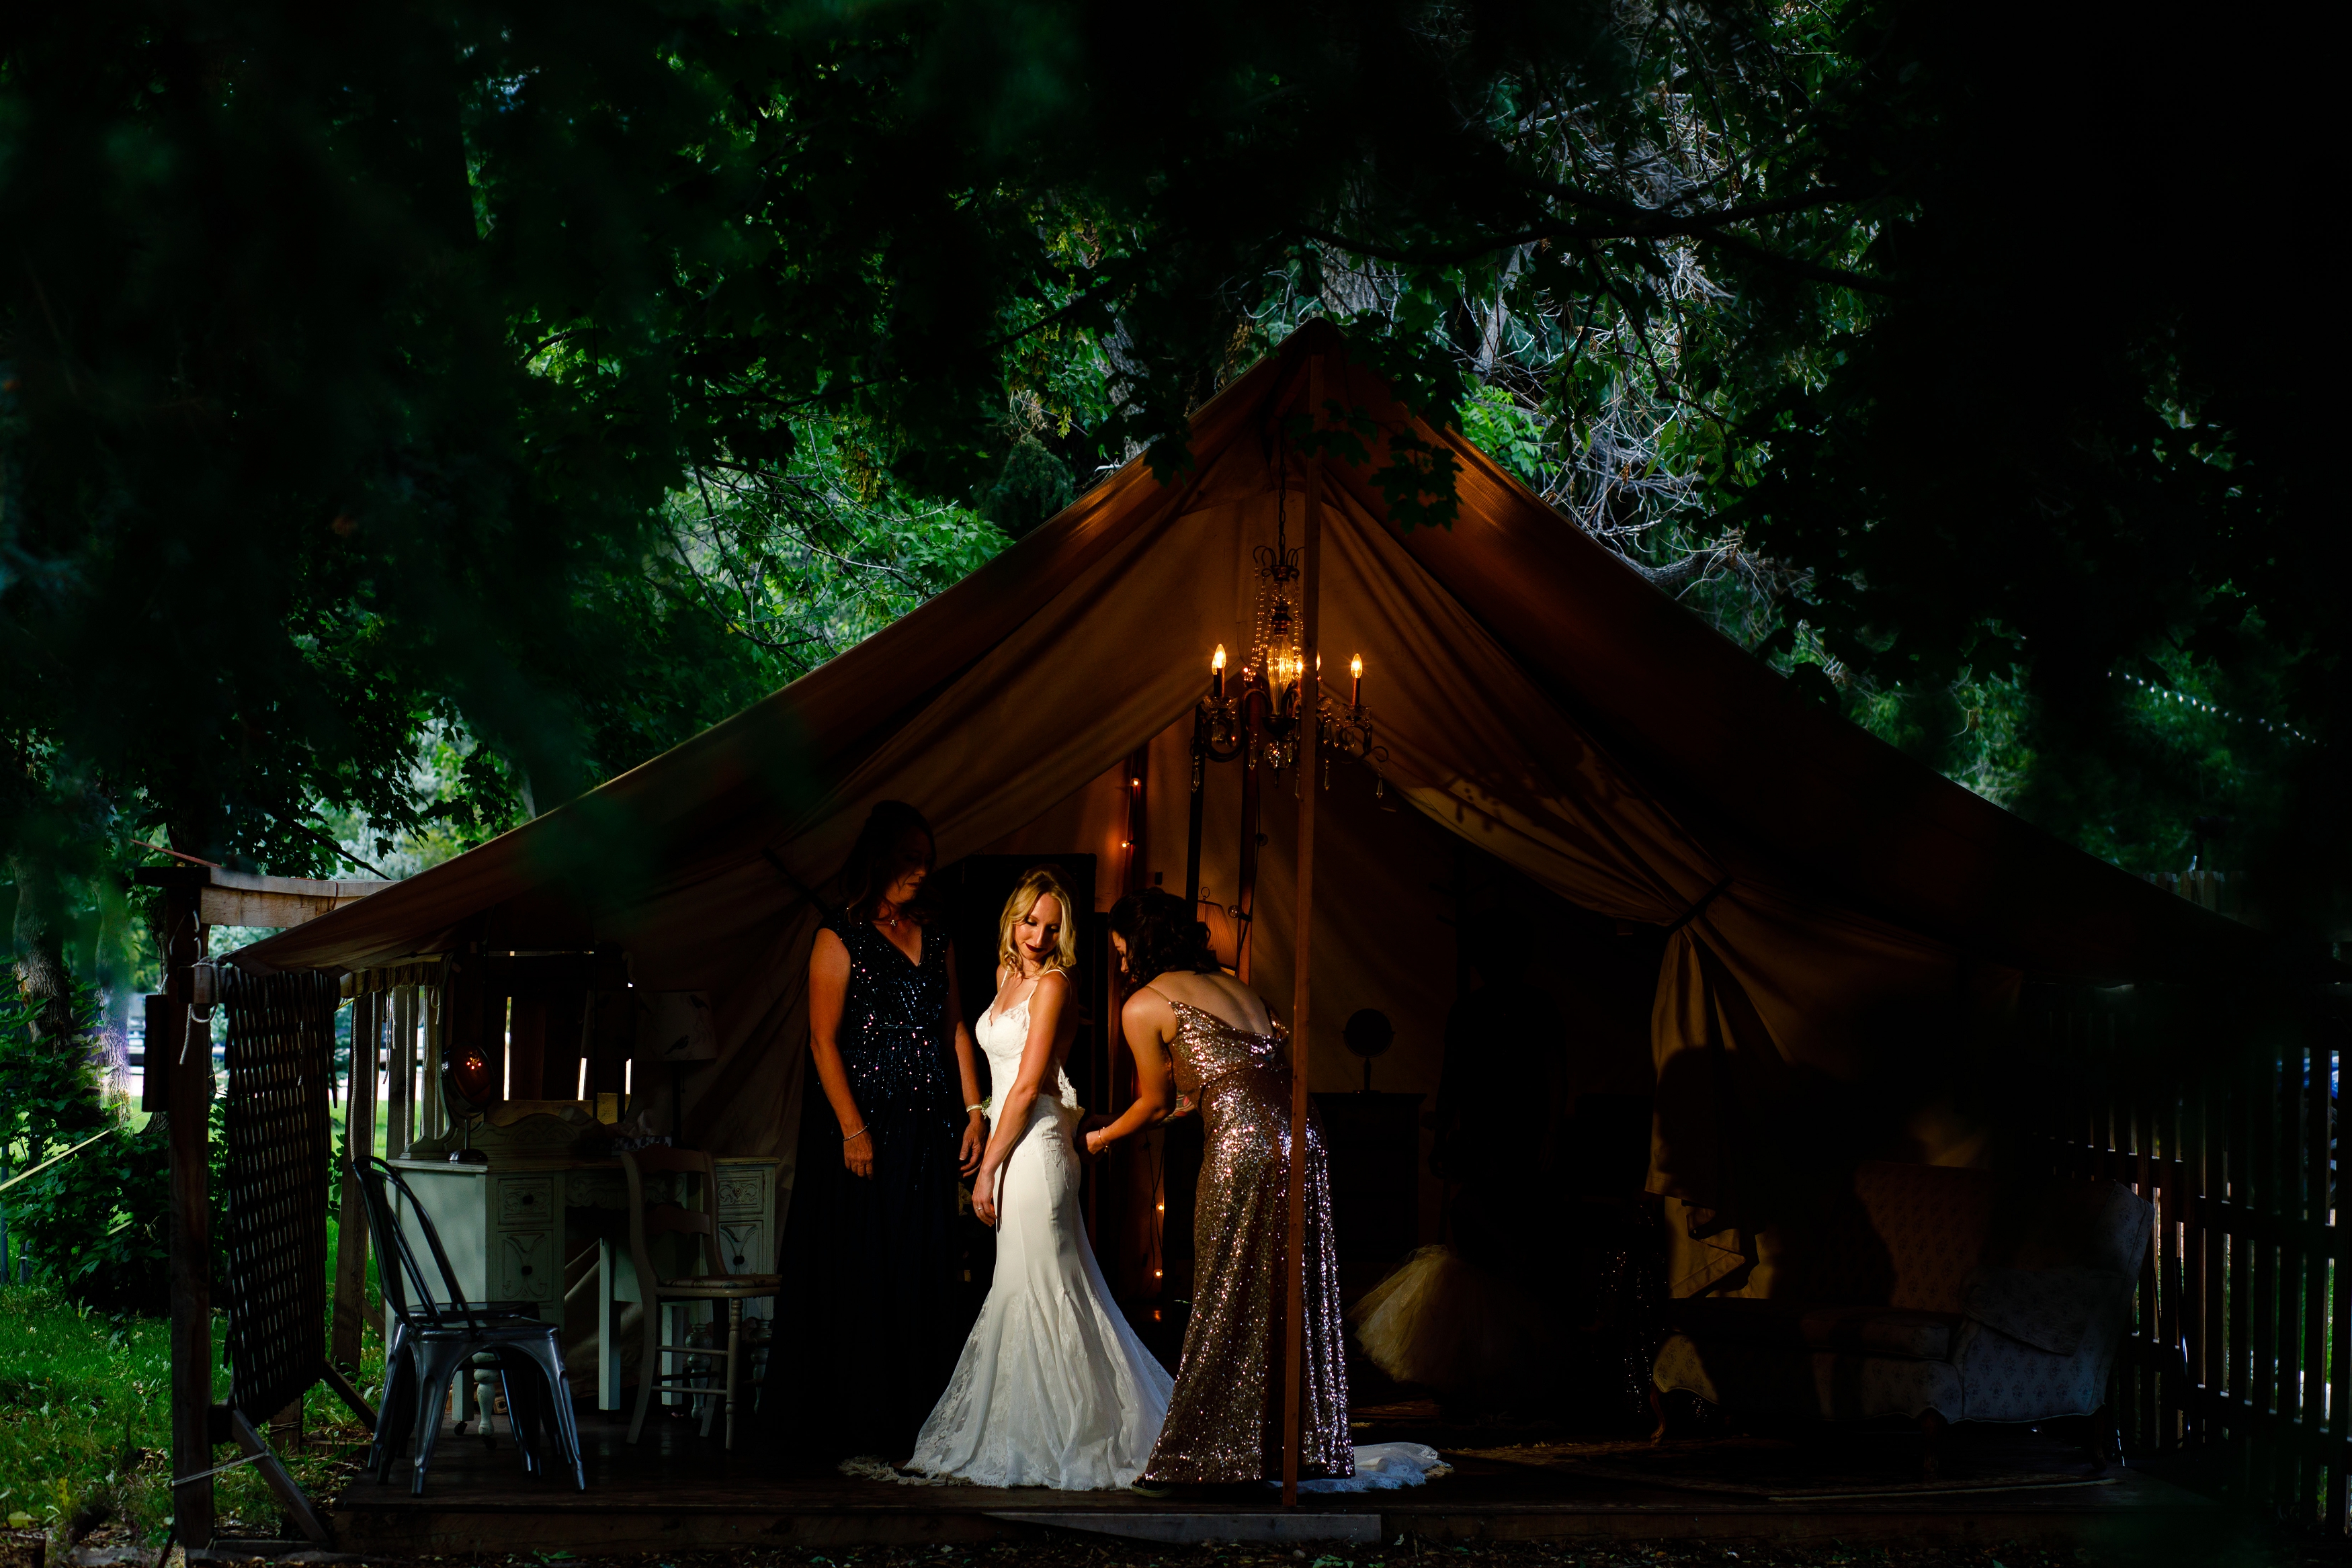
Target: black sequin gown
(868,1328)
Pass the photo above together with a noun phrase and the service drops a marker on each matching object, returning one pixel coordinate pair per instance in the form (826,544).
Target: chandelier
(1257,714)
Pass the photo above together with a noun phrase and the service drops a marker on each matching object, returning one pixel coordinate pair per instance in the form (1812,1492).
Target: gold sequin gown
(1225,1418)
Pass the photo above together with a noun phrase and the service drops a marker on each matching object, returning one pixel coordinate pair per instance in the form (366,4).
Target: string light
(2185,700)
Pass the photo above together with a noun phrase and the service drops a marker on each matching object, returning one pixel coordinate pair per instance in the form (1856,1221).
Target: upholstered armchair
(1949,1297)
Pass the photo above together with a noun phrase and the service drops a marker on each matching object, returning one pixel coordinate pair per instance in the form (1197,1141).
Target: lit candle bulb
(1355,671)
(1217,666)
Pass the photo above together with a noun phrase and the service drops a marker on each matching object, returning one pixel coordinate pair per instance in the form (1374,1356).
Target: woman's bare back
(1220,996)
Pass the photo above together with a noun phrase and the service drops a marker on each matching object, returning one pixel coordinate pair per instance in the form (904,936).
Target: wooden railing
(2218,1108)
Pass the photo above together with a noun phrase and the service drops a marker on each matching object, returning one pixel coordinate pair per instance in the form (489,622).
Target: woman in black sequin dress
(866,1330)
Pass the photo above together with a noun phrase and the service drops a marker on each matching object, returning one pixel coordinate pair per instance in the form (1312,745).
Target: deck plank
(678,1492)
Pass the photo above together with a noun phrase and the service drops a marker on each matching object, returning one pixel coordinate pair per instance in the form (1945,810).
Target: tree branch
(1862,282)
(325,843)
(1652,223)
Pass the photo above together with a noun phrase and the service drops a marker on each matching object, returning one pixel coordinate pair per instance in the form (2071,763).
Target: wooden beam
(1310,584)
(1192,820)
(282,1486)
(187,1115)
(352,1236)
(399,1074)
(348,1392)
(1245,877)
(428,970)
(246,898)
(270,911)
(346,890)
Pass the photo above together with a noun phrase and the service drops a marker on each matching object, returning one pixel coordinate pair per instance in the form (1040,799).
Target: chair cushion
(1849,1330)
(1809,1383)
(2048,1309)
(1882,1330)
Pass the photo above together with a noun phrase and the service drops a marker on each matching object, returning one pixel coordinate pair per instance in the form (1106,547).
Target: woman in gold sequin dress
(1214,1038)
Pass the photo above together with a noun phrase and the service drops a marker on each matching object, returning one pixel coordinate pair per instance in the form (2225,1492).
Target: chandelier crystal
(1271,677)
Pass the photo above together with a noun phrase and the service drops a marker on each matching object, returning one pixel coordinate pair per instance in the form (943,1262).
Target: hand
(857,1154)
(976,1142)
(1098,1139)
(983,1194)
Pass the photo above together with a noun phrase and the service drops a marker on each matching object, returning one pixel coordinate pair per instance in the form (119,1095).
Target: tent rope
(806,892)
(1693,913)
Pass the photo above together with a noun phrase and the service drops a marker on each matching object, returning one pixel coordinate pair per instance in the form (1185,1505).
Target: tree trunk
(41,975)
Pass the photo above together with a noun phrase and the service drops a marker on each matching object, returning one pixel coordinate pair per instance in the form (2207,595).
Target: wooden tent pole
(1310,583)
(351,1235)
(1192,818)
(1245,874)
(187,1114)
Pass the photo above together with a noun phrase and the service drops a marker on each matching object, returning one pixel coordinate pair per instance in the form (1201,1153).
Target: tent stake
(1294,1318)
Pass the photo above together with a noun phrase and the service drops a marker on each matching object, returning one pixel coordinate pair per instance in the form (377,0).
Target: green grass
(85,1424)
(85,1413)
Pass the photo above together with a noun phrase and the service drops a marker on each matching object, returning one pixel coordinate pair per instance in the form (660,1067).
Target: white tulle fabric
(1052,1389)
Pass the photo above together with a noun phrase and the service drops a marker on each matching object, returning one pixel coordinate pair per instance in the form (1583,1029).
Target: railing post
(188,1113)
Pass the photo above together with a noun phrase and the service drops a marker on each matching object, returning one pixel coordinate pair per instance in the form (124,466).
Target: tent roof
(1773,784)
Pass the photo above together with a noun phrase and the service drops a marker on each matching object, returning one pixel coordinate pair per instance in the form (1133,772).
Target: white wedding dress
(1052,1389)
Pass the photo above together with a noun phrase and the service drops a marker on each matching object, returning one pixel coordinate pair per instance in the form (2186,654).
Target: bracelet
(975,1105)
(853,1137)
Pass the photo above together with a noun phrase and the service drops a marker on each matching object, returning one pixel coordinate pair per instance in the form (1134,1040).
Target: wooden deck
(676,1491)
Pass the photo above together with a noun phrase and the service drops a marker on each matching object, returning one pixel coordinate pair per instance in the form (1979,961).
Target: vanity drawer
(743,1190)
(528,1269)
(744,1247)
(526,1200)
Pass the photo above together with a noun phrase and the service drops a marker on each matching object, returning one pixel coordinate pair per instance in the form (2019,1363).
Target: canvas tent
(1831,908)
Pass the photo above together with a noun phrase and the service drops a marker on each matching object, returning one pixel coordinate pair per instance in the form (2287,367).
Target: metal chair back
(400,1273)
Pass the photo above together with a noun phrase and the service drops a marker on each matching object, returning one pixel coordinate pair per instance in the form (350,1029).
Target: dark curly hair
(1161,936)
(878,859)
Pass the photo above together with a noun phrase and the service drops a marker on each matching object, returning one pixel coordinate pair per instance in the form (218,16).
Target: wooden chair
(715,1285)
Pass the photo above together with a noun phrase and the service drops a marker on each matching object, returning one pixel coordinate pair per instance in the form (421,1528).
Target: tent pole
(1245,885)
(1132,1169)
(352,1236)
(187,1110)
(1294,1317)
(1200,762)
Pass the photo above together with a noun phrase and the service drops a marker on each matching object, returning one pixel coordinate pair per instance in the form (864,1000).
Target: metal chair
(715,1286)
(434,1337)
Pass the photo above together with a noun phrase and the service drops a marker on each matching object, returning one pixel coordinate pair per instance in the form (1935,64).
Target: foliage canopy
(413,414)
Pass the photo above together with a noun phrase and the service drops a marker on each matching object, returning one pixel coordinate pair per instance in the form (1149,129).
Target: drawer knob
(525,1267)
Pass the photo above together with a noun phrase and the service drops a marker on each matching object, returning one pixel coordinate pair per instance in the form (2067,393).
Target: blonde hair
(1038,882)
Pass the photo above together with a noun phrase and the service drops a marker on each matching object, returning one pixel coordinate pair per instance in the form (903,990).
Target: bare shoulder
(1148,1007)
(1053,983)
(829,957)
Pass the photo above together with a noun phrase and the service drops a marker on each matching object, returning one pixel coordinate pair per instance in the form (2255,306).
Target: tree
(480,375)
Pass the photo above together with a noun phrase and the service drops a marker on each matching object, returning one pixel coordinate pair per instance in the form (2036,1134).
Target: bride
(1053,1388)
